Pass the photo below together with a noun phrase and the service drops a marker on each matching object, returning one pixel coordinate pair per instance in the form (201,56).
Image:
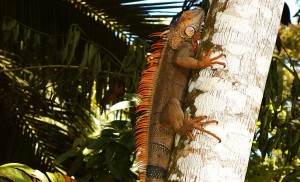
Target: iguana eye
(189,31)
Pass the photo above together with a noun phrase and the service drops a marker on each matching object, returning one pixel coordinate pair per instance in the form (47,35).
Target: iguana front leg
(192,63)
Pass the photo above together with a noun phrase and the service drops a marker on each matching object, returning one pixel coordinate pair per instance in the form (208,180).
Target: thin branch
(56,66)
(290,60)
(293,72)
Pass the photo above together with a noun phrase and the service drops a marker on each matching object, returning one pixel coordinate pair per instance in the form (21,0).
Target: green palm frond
(53,86)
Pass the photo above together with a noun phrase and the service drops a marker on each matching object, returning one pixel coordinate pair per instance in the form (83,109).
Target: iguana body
(163,89)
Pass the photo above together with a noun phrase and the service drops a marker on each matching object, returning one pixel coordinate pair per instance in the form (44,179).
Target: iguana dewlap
(163,89)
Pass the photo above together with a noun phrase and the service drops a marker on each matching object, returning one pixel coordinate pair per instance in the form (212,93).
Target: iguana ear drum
(189,31)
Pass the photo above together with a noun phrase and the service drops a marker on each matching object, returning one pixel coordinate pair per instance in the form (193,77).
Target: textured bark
(245,31)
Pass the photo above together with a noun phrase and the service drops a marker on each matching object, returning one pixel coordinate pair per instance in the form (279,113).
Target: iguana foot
(196,124)
(207,61)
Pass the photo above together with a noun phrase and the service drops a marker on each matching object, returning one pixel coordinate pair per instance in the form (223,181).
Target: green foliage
(278,128)
(137,52)
(70,45)
(21,172)
(51,91)
(108,157)
(272,169)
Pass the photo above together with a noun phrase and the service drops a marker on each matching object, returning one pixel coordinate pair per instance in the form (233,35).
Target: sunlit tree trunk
(245,31)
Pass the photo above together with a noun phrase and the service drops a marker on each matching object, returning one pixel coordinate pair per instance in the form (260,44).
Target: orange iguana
(162,90)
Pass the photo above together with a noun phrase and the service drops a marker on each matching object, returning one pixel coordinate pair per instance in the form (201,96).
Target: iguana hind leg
(173,115)
(196,124)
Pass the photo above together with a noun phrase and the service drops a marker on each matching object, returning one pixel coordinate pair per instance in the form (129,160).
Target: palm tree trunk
(245,31)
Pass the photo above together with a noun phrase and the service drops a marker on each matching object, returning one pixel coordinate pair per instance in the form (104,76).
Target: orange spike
(145,91)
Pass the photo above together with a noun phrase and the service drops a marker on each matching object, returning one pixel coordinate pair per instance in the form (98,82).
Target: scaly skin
(169,91)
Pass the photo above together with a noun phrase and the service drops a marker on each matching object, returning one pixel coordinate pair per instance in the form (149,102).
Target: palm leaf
(46,108)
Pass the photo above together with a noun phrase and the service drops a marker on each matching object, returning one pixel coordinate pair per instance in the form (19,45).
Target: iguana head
(187,27)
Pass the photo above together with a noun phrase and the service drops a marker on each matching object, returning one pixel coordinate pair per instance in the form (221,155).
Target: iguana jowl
(162,90)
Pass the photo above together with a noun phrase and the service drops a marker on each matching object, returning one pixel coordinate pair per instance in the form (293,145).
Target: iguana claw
(208,61)
(196,124)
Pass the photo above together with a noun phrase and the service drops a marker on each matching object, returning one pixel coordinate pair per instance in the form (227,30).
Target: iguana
(162,90)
